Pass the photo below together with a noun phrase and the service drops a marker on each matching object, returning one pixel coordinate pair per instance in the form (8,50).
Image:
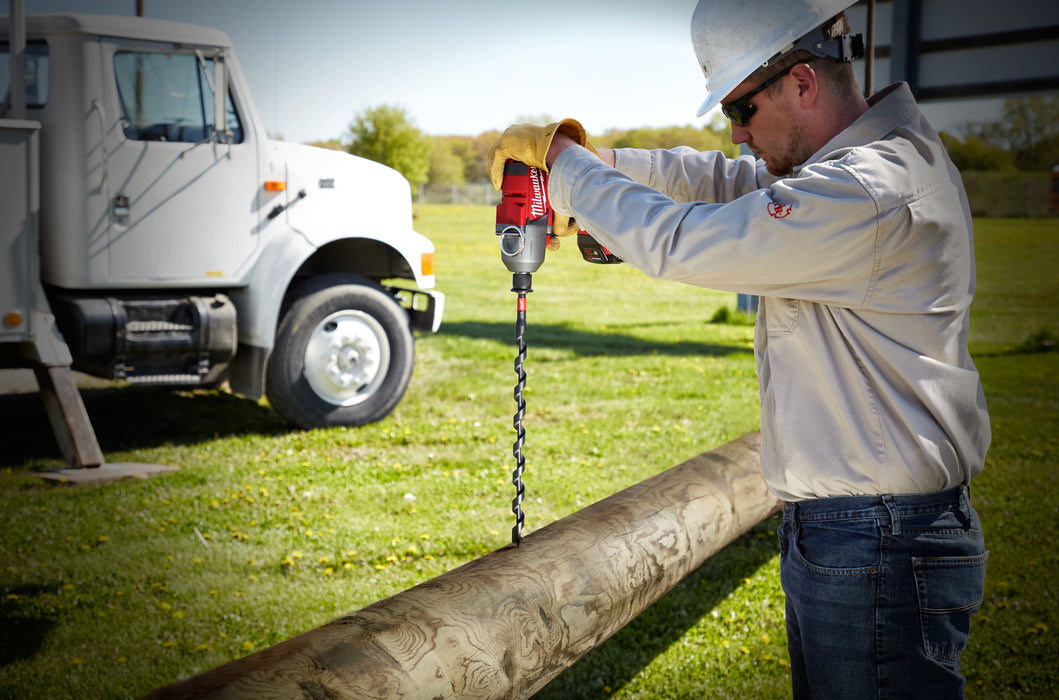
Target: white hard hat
(733,38)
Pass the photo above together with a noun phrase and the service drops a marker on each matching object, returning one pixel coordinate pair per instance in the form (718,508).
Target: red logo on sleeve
(779,211)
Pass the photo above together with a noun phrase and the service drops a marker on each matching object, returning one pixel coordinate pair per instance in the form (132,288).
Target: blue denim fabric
(880,592)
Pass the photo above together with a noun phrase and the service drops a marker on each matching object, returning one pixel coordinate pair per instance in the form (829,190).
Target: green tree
(329,144)
(1031,125)
(387,135)
(1028,130)
(974,153)
(447,165)
(479,158)
(707,138)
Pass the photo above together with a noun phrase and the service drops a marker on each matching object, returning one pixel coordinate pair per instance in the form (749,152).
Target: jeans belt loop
(895,520)
(965,502)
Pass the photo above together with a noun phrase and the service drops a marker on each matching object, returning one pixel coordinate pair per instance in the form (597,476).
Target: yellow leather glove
(529,144)
(562,226)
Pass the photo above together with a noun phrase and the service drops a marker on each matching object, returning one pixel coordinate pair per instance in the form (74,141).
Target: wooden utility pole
(505,624)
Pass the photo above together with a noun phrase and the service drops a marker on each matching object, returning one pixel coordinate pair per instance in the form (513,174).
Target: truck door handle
(97,107)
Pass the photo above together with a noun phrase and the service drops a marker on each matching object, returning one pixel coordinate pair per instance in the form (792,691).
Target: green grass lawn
(108,591)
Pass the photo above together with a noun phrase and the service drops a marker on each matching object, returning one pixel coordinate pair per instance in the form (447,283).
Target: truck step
(161,379)
(158,327)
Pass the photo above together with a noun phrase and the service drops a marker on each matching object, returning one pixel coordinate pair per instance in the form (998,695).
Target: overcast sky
(461,66)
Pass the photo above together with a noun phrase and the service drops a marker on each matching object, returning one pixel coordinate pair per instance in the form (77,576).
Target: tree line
(1026,138)
(388,134)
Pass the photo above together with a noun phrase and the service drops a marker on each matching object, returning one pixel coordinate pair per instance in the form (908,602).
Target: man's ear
(807,82)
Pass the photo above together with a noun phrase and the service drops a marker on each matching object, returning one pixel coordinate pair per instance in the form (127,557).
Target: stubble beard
(783,160)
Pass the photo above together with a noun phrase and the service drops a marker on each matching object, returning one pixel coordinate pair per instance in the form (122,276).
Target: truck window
(168,97)
(36,75)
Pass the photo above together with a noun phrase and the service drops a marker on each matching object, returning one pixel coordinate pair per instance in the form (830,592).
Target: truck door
(183,194)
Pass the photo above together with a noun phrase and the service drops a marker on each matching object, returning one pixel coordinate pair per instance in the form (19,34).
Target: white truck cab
(179,245)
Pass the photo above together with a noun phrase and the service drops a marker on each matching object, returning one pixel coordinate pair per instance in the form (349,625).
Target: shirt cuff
(567,167)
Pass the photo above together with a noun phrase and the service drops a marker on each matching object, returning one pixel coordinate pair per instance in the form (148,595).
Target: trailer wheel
(343,357)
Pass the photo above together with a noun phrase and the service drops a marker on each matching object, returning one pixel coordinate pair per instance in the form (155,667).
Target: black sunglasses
(739,111)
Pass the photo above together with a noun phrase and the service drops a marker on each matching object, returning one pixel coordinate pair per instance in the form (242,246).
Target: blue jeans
(880,592)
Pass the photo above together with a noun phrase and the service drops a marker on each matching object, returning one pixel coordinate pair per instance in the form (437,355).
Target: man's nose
(740,134)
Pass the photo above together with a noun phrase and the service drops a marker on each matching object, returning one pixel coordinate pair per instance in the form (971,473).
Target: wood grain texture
(505,624)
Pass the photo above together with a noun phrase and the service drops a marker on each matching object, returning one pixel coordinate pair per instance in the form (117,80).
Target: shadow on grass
(611,665)
(585,342)
(24,622)
(129,418)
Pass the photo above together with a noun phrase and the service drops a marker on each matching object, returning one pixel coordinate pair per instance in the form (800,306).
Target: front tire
(343,357)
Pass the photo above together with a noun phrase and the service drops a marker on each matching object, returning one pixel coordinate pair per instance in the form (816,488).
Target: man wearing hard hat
(852,225)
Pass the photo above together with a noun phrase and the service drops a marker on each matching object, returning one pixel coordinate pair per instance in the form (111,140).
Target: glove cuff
(573,129)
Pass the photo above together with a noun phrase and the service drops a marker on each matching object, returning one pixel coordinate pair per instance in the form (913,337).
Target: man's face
(775,132)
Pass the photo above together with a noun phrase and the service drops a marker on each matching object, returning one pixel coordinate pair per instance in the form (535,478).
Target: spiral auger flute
(520,412)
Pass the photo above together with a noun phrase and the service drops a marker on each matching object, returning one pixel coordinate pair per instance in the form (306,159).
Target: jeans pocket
(837,548)
(949,589)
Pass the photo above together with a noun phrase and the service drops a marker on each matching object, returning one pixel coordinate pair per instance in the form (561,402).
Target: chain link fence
(1007,194)
(468,193)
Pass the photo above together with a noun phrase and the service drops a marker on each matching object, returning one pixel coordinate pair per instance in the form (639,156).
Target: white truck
(152,232)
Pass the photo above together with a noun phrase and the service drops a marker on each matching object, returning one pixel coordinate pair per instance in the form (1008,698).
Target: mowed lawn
(111,590)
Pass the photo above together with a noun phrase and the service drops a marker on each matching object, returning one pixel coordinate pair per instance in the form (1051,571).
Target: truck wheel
(343,357)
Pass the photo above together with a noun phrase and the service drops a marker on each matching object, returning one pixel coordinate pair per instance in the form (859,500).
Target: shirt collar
(887,109)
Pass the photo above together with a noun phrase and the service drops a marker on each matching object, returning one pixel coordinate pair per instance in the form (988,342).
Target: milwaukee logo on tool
(539,198)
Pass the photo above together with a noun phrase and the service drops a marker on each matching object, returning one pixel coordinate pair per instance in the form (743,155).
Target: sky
(461,67)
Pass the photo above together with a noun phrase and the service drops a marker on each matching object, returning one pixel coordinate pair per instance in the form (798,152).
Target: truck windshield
(168,97)
(36,75)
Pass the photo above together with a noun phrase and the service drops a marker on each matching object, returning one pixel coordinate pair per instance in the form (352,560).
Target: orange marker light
(13,319)
(275,185)
(426,264)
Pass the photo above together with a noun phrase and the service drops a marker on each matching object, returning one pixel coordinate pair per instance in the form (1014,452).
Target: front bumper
(425,308)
